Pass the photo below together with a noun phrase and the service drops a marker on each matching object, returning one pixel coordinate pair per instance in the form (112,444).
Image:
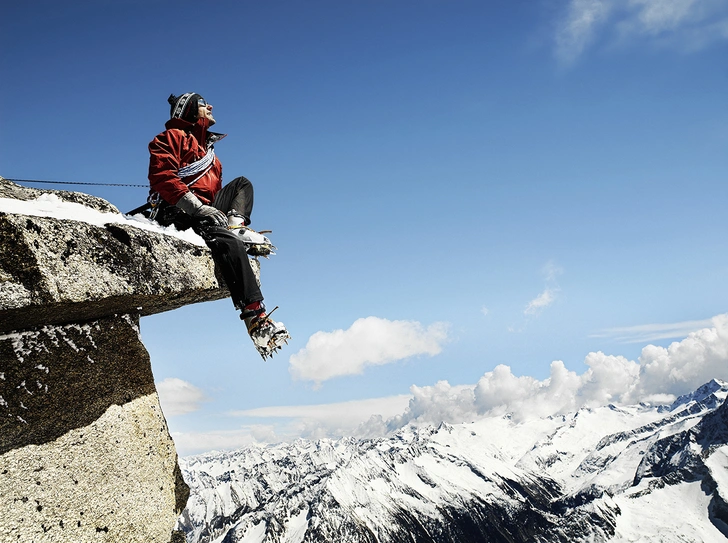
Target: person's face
(205,111)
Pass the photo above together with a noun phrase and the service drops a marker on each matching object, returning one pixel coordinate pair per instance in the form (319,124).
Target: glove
(191,205)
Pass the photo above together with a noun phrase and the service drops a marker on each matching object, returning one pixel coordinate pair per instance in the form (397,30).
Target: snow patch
(592,469)
(50,205)
(28,342)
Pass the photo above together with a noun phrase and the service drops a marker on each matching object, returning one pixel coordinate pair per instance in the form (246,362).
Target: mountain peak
(611,474)
(702,393)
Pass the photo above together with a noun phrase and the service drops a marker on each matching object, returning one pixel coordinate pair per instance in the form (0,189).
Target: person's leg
(236,196)
(228,252)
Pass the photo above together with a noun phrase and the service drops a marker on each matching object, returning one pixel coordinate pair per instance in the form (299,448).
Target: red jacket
(179,145)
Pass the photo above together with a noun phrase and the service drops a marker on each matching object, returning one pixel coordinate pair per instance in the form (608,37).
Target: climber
(186,191)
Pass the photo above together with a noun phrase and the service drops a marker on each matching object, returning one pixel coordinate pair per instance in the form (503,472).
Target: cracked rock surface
(61,271)
(85,451)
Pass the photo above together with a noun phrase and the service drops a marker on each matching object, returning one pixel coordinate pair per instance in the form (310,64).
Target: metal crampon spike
(268,337)
(256,244)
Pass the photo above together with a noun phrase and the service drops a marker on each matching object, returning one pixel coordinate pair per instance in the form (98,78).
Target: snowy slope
(635,473)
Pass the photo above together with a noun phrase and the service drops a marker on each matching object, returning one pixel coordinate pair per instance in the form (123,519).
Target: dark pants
(236,195)
(228,250)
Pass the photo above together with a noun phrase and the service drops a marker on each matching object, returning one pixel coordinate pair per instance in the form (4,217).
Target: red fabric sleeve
(165,152)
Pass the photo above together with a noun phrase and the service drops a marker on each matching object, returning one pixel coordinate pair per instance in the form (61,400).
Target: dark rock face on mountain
(600,474)
(85,453)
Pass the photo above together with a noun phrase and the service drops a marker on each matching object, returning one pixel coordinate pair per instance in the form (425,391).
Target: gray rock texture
(59,271)
(8,189)
(85,452)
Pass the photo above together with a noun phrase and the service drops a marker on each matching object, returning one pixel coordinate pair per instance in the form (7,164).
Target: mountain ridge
(607,473)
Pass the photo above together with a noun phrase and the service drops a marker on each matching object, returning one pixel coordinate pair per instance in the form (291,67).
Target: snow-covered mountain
(638,473)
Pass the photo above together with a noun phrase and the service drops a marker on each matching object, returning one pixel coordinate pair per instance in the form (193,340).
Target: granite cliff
(85,453)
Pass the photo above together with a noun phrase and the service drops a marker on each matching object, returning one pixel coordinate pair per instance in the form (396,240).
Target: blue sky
(500,183)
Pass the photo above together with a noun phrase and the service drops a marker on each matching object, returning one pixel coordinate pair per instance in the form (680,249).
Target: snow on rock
(85,452)
(51,205)
(84,446)
(612,473)
(714,390)
(62,261)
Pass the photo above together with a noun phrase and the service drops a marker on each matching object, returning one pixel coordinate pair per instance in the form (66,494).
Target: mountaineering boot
(251,310)
(256,244)
(268,335)
(235,219)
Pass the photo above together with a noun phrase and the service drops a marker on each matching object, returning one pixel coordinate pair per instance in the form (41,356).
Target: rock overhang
(57,271)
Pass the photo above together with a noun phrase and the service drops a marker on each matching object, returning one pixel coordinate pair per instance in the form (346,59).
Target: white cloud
(438,403)
(369,341)
(328,420)
(540,302)
(550,272)
(655,16)
(644,333)
(660,375)
(686,364)
(349,413)
(578,28)
(179,397)
(188,443)
(686,25)
(361,418)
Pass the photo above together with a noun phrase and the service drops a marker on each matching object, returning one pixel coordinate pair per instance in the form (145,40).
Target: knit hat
(184,107)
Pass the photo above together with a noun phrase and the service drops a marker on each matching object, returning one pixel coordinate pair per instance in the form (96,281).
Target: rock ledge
(85,452)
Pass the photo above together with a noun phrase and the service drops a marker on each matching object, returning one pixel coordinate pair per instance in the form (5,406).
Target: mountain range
(647,473)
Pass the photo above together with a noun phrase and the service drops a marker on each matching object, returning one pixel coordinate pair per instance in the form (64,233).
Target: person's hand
(192,205)
(211,215)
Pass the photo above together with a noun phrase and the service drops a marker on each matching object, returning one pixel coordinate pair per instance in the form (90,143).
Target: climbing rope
(76,183)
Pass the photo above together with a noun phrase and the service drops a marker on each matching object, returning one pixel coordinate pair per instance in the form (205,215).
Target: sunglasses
(201,102)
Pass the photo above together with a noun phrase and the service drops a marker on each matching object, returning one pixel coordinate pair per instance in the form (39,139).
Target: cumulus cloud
(179,397)
(439,403)
(659,375)
(686,364)
(688,25)
(370,341)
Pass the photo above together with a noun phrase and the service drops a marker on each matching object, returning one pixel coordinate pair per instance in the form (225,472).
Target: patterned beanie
(183,107)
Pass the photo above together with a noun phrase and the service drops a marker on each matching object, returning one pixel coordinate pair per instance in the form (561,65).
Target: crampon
(268,335)
(256,244)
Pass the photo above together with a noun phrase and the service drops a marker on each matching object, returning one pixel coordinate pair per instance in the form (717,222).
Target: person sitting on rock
(186,191)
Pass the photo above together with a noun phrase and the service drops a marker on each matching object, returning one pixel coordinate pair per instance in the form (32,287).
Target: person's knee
(242,202)
(242,183)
